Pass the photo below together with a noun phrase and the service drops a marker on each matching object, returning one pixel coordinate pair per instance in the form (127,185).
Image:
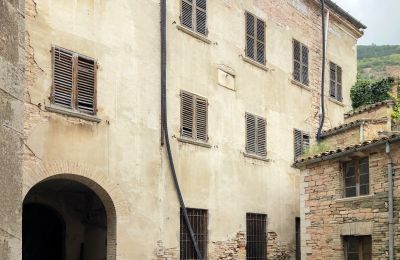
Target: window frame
(356,162)
(74,106)
(263,237)
(302,149)
(334,82)
(256,18)
(256,131)
(301,63)
(194,125)
(203,244)
(194,17)
(361,243)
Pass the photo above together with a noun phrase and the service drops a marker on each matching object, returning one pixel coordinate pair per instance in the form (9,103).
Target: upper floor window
(256,236)
(335,85)
(194,15)
(256,135)
(356,177)
(194,116)
(358,247)
(199,221)
(255,38)
(300,62)
(74,81)
(301,143)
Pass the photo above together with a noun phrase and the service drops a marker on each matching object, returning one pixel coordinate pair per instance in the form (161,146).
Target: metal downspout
(390,198)
(322,115)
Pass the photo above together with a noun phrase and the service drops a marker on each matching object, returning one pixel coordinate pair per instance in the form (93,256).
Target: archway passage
(63,220)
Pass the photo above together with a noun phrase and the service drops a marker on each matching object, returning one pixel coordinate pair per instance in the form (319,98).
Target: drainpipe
(322,116)
(390,198)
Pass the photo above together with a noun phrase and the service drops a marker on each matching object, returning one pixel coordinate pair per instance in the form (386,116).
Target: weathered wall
(328,215)
(11,126)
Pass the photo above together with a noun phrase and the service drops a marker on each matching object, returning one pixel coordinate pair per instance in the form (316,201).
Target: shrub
(366,92)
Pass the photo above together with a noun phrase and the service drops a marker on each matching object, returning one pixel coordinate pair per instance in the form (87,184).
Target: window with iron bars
(356,177)
(358,247)
(256,236)
(74,81)
(301,143)
(199,221)
(194,15)
(335,85)
(255,38)
(300,62)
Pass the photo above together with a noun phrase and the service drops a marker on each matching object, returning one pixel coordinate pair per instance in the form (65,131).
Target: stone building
(346,205)
(243,95)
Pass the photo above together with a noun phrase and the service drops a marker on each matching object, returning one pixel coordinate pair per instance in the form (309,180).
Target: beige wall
(123,150)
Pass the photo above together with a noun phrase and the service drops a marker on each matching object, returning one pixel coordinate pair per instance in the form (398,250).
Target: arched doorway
(64,219)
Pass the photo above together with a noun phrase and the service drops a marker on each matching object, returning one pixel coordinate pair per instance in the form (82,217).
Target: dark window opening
(301,143)
(335,82)
(199,221)
(356,177)
(256,228)
(300,62)
(255,38)
(298,239)
(358,247)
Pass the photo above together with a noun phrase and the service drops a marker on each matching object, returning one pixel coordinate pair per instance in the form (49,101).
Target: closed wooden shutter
(304,65)
(187,13)
(86,85)
(332,80)
(300,62)
(62,77)
(187,114)
(301,143)
(335,88)
(194,116)
(256,135)
(255,38)
(201,119)
(194,15)
(339,83)
(201,16)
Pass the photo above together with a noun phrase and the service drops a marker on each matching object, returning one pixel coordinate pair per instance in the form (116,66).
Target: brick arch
(107,190)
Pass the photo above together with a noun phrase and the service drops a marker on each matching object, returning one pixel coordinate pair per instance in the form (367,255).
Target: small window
(256,229)
(194,15)
(199,221)
(256,135)
(255,38)
(358,247)
(300,62)
(74,81)
(194,116)
(301,143)
(356,177)
(335,87)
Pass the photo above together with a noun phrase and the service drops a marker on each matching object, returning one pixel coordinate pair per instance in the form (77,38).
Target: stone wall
(329,216)
(11,126)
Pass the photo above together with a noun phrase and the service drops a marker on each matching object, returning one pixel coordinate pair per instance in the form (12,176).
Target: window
(193,116)
(300,62)
(194,15)
(356,177)
(301,143)
(74,81)
(198,220)
(256,135)
(256,228)
(335,87)
(255,38)
(358,247)
(298,239)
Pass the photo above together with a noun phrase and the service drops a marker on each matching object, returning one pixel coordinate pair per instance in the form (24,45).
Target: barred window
(301,143)
(194,15)
(256,135)
(300,62)
(255,38)
(194,116)
(74,81)
(335,86)
(199,221)
(356,177)
(358,247)
(256,237)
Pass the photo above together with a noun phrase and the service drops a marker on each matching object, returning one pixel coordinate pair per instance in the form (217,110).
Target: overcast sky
(382,17)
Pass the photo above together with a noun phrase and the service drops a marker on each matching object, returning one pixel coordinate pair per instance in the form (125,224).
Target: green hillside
(377,62)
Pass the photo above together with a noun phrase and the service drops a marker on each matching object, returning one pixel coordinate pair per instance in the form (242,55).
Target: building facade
(241,77)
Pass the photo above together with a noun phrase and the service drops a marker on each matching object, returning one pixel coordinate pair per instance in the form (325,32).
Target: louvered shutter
(261,137)
(250,36)
(201,16)
(332,86)
(255,38)
(298,147)
(251,134)
(260,41)
(201,119)
(339,83)
(187,13)
(86,85)
(296,61)
(304,65)
(62,77)
(187,114)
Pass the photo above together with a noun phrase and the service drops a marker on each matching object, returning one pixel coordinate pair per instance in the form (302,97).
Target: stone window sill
(72,113)
(337,102)
(301,85)
(194,142)
(194,34)
(254,63)
(364,197)
(256,157)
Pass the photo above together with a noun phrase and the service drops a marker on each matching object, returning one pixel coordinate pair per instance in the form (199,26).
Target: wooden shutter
(255,38)
(86,82)
(201,119)
(187,114)
(260,41)
(63,82)
(332,81)
(187,13)
(335,88)
(251,146)
(339,83)
(301,143)
(304,65)
(300,62)
(250,35)
(201,16)
(261,137)
(256,135)
(194,15)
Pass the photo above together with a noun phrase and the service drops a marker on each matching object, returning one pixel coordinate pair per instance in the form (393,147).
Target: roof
(341,128)
(340,152)
(368,107)
(359,25)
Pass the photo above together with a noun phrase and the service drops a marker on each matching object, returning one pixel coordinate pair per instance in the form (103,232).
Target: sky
(382,17)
